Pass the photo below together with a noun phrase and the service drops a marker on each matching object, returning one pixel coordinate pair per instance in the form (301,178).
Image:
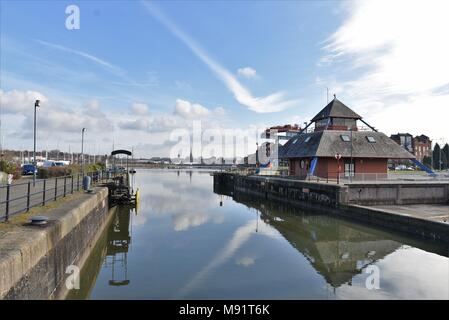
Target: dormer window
(370,139)
(307,139)
(345,137)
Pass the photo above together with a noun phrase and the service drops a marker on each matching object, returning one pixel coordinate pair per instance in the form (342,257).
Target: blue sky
(142,68)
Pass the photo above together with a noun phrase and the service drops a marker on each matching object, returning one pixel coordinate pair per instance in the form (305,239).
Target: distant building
(336,145)
(420,146)
(283,133)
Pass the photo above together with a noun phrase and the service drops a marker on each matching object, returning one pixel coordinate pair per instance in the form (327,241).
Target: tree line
(438,154)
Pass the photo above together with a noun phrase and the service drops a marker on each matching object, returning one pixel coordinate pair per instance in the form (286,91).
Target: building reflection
(337,249)
(119,241)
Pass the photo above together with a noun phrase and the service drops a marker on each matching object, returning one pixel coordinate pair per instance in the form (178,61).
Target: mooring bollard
(86,183)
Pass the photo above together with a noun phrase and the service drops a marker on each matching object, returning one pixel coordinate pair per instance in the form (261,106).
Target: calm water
(182,244)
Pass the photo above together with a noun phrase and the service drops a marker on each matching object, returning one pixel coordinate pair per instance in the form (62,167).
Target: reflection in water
(196,240)
(336,248)
(119,240)
(110,252)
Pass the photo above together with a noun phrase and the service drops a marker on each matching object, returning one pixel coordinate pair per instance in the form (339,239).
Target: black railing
(21,197)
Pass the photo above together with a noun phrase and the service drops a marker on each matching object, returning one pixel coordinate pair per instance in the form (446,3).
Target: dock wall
(339,200)
(284,189)
(33,259)
(398,193)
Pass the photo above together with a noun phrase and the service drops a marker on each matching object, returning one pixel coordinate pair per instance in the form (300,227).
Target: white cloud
(272,103)
(139,108)
(93,105)
(186,220)
(187,109)
(245,261)
(54,119)
(159,123)
(219,111)
(247,72)
(396,63)
(16,101)
(138,124)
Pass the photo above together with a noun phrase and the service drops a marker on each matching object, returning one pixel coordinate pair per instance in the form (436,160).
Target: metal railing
(21,197)
(373,177)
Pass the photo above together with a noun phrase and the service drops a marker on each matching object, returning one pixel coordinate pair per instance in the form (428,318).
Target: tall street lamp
(351,166)
(36,105)
(82,151)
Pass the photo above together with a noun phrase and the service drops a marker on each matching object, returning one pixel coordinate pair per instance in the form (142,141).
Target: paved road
(19,192)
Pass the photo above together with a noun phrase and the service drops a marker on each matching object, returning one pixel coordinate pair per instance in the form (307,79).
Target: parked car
(29,169)
(52,163)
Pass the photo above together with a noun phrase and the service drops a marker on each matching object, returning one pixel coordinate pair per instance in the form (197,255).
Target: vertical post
(56,188)
(338,173)
(36,104)
(350,164)
(65,185)
(71,178)
(8,186)
(28,196)
(78,187)
(82,151)
(43,192)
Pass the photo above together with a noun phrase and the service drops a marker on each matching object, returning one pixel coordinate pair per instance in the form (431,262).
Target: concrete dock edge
(33,259)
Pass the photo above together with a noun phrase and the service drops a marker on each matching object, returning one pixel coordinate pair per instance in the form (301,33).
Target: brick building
(336,135)
(420,146)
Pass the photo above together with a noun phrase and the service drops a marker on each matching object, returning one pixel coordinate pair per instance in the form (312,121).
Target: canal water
(189,241)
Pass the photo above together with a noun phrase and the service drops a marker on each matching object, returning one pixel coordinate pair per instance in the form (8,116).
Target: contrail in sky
(271,103)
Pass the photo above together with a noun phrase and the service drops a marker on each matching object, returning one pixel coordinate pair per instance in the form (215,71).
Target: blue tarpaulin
(313,166)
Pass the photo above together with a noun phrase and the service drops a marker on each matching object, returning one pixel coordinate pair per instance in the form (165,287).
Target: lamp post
(257,154)
(350,164)
(82,151)
(36,105)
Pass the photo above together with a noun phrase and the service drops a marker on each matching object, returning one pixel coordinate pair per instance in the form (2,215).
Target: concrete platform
(33,259)
(433,212)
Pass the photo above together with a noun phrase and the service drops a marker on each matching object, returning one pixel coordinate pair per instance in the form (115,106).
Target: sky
(134,72)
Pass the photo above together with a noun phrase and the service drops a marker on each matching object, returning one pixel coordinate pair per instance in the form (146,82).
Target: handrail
(21,197)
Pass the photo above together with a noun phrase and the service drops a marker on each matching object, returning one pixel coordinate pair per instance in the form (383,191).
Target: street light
(36,105)
(351,166)
(257,154)
(82,151)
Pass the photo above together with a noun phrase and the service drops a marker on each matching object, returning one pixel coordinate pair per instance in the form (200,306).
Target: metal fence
(376,177)
(22,196)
